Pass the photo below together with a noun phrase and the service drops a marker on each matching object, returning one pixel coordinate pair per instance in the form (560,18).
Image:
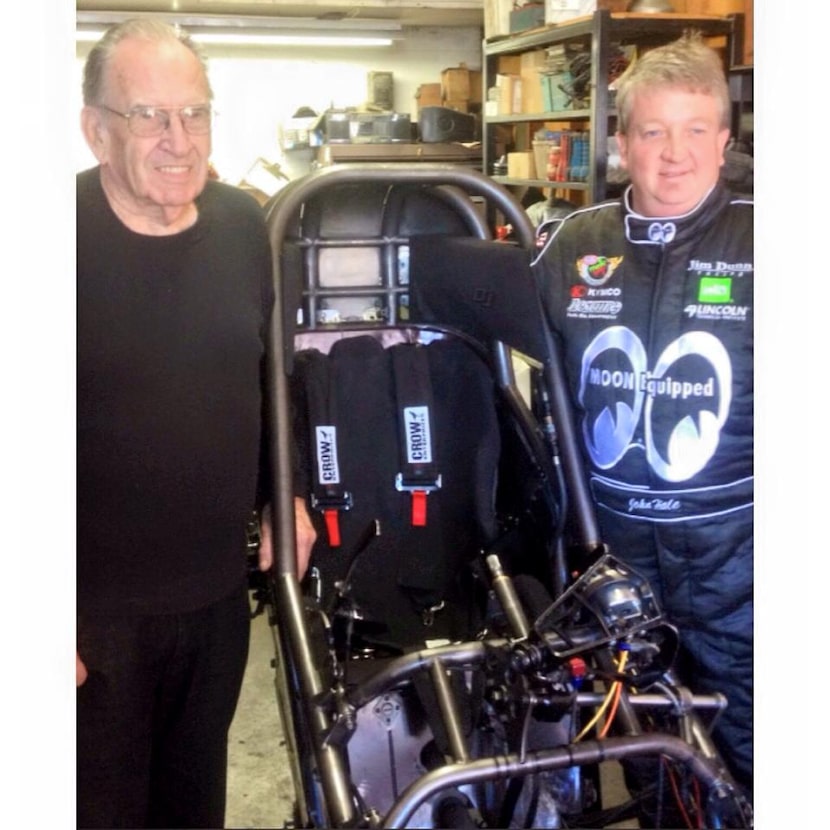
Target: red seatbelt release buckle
(330,506)
(332,526)
(419,488)
(419,508)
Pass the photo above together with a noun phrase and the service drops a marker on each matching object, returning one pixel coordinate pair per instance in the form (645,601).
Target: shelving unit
(597,32)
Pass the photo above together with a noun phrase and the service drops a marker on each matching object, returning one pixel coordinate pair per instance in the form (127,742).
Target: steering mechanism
(609,602)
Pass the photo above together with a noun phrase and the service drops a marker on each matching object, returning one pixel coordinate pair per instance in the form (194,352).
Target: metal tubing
(293,732)
(586,526)
(654,701)
(697,732)
(449,712)
(503,586)
(550,462)
(469,654)
(403,668)
(334,777)
(588,752)
(284,210)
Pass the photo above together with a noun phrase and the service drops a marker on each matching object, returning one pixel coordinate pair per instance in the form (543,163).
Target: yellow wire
(608,698)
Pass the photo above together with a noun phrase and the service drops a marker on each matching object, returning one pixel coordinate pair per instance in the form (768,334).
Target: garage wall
(257,89)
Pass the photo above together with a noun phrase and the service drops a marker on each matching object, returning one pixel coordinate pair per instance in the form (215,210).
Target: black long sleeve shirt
(171,342)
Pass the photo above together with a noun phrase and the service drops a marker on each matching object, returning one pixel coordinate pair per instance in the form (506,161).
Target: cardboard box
(531,65)
(521,165)
(509,94)
(533,61)
(427,95)
(532,99)
(476,86)
(461,84)
(509,64)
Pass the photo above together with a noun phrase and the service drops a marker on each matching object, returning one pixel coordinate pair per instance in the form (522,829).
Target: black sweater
(171,340)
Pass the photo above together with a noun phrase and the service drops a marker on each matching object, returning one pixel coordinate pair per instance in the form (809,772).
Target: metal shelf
(626,27)
(597,31)
(513,182)
(559,115)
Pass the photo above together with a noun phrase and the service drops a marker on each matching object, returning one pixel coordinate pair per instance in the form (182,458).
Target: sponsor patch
(714,290)
(595,269)
(590,309)
(700,311)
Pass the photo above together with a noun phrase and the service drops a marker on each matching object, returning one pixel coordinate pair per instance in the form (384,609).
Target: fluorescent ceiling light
(257,31)
(243,38)
(287,39)
(88,35)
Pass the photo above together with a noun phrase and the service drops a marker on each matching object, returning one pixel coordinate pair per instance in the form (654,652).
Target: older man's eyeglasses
(152,121)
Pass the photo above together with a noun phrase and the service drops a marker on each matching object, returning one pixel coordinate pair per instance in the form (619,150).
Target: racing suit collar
(665,230)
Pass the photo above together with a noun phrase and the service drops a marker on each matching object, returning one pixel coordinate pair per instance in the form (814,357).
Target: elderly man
(174,304)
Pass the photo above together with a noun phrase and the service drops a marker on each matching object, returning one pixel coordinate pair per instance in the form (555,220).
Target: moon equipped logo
(662,232)
(595,269)
(682,411)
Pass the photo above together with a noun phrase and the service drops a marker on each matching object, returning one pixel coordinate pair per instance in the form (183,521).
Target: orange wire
(616,690)
(613,711)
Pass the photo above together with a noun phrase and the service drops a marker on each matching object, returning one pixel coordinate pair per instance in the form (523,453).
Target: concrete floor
(260,791)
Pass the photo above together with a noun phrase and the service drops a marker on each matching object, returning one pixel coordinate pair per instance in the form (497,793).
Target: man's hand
(306,535)
(80,671)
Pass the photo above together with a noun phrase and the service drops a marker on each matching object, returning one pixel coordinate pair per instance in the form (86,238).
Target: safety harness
(405,438)
(328,495)
(420,472)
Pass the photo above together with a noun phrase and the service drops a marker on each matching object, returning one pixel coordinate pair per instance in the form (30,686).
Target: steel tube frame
(294,636)
(500,768)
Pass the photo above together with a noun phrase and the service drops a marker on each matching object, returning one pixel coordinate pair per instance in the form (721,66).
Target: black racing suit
(655,317)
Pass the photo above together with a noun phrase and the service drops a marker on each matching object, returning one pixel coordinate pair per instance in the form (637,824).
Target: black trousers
(154,713)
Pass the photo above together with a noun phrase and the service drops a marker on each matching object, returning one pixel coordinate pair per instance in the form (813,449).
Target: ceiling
(406,12)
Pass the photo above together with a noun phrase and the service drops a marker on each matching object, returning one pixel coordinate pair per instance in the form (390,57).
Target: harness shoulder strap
(328,493)
(419,472)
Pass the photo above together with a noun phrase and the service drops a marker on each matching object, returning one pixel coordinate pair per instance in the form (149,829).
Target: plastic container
(541,153)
